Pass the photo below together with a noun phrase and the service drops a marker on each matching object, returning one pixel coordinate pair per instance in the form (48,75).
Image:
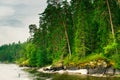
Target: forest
(73,33)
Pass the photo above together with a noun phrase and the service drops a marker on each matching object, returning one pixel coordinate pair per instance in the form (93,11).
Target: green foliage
(31,54)
(116,59)
(42,59)
(110,49)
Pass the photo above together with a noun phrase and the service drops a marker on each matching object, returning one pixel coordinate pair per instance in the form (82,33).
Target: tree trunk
(112,27)
(66,33)
(111,23)
(68,42)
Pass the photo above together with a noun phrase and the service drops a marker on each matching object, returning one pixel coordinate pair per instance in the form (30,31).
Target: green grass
(92,57)
(76,60)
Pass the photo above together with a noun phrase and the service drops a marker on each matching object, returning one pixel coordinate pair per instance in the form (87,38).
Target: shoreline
(83,72)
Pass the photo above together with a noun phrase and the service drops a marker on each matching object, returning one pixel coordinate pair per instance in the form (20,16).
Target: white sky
(16,16)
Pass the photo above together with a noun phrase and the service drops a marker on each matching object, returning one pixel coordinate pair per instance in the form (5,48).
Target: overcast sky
(16,16)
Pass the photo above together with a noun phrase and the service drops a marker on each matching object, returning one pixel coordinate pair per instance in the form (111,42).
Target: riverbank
(45,73)
(47,70)
(68,76)
(86,72)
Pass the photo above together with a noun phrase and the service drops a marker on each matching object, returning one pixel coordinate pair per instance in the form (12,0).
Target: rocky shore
(61,71)
(99,68)
(91,72)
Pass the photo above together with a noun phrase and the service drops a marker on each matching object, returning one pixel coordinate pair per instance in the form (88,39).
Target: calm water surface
(44,76)
(13,72)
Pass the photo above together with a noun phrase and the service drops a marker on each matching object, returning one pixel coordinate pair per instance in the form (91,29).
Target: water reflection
(45,76)
(82,77)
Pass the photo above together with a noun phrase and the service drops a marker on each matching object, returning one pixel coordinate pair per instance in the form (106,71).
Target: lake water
(55,76)
(13,72)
